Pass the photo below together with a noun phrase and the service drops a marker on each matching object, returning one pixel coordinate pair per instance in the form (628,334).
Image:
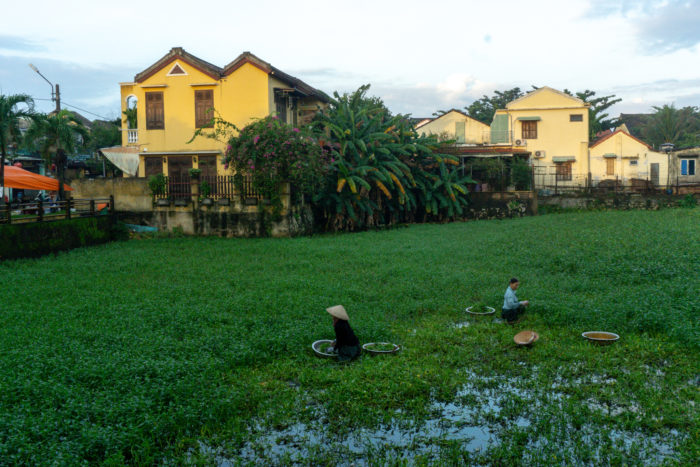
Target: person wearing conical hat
(346,343)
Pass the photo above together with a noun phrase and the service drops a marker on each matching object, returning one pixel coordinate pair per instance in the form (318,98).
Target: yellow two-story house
(553,126)
(181,93)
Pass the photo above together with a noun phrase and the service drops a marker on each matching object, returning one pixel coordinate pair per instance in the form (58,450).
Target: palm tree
(56,136)
(10,116)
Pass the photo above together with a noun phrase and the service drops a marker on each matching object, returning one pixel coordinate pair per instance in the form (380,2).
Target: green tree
(598,119)
(55,136)
(10,116)
(104,134)
(483,109)
(380,171)
(671,125)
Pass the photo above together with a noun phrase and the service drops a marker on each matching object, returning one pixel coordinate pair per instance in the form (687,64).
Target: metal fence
(44,210)
(219,186)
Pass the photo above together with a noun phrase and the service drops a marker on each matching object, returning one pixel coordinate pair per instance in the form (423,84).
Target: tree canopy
(483,109)
(671,125)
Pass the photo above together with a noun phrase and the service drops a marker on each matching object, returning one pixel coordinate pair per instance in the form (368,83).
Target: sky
(419,57)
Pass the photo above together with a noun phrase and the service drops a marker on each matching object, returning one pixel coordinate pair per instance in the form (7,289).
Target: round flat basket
(526,337)
(600,337)
(489,311)
(381,348)
(320,348)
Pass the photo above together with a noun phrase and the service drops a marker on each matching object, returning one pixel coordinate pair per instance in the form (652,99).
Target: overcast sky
(418,56)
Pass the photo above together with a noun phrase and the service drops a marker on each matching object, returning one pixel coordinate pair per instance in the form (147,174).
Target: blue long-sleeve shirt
(510,300)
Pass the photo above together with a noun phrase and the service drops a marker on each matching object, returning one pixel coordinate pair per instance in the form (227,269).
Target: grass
(177,350)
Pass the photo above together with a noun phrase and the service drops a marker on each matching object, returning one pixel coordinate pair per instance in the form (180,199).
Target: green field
(176,350)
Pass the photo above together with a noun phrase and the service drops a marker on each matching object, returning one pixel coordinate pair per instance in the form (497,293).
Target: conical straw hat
(339,312)
(526,337)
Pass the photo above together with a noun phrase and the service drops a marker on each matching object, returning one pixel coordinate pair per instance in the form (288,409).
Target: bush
(688,202)
(273,152)
(40,238)
(157,184)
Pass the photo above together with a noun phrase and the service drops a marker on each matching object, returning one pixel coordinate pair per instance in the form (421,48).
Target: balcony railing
(132,136)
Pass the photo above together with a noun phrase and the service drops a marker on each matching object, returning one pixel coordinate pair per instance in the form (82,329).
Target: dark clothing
(346,343)
(512,315)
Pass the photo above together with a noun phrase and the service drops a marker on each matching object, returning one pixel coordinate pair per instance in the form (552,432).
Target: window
(281,106)
(687,166)
(633,162)
(529,129)
(154,166)
(203,103)
(563,170)
(460,132)
(576,117)
(610,166)
(155,117)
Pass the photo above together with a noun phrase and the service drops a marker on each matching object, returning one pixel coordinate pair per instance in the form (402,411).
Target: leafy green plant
(380,171)
(156,183)
(140,362)
(195,173)
(204,189)
(688,201)
(272,152)
(521,174)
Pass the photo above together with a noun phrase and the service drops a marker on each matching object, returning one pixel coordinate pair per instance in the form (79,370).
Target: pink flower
(255,140)
(296,130)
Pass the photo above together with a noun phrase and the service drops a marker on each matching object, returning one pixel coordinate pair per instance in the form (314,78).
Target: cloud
(671,27)
(422,99)
(18,44)
(660,26)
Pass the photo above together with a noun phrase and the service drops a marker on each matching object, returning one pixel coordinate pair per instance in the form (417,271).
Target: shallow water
(476,427)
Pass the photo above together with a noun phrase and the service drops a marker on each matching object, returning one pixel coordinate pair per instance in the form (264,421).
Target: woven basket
(526,337)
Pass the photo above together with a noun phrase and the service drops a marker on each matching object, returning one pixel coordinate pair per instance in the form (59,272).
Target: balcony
(132,136)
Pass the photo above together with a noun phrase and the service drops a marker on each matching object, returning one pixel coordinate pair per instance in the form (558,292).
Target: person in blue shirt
(512,307)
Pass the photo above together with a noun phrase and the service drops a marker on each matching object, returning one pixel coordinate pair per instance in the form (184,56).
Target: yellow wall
(626,150)
(238,98)
(557,136)
(475,132)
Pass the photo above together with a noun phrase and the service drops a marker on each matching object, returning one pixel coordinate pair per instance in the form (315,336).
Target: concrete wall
(224,221)
(130,194)
(134,204)
(617,201)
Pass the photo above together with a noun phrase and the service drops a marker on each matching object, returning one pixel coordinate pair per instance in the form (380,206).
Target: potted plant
(195,173)
(204,192)
(157,185)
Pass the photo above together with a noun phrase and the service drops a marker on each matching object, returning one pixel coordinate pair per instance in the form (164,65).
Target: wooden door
(179,176)
(654,175)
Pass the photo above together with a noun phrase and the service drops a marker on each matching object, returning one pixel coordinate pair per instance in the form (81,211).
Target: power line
(83,110)
(73,106)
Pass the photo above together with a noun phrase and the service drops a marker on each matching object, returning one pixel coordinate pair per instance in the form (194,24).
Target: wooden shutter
(203,103)
(563,171)
(610,168)
(529,129)
(155,116)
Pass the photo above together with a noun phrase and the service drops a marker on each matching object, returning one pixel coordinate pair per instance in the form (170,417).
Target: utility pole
(60,154)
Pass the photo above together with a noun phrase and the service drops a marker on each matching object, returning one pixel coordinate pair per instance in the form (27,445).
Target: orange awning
(24,179)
